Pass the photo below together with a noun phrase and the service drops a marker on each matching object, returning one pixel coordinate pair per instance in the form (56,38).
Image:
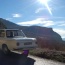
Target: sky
(45,13)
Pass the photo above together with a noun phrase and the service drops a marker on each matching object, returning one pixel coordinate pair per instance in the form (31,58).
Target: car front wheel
(5,49)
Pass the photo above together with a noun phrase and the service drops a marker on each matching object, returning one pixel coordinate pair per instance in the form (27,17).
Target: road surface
(19,59)
(41,61)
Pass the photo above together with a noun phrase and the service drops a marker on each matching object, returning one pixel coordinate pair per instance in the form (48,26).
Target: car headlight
(36,42)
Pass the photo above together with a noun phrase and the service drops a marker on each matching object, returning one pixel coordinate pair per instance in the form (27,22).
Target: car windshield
(14,33)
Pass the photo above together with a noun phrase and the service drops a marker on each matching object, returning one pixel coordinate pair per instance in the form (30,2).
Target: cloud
(8,18)
(16,15)
(33,22)
(39,10)
(62,25)
(61,32)
(43,22)
(38,21)
(48,23)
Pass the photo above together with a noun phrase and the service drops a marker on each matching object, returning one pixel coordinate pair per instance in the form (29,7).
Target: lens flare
(45,2)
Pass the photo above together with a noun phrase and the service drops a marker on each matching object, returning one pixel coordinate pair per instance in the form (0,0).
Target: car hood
(24,38)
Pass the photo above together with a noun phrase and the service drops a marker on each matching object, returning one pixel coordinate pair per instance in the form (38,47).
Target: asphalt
(15,59)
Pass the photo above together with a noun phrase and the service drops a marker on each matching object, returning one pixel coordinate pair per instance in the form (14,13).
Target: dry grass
(49,54)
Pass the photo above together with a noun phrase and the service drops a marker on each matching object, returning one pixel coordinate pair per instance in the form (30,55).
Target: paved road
(41,61)
(19,59)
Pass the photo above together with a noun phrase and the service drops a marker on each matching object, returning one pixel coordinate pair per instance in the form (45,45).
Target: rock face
(46,37)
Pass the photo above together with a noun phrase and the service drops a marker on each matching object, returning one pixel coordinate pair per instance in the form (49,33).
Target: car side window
(9,34)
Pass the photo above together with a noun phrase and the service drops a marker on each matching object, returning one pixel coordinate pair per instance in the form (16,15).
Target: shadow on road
(15,59)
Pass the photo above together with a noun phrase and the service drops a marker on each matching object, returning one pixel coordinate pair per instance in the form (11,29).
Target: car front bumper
(25,48)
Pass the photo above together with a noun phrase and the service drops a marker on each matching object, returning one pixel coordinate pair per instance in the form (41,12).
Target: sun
(43,1)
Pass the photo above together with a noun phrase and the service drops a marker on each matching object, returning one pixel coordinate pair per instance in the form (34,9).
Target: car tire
(5,49)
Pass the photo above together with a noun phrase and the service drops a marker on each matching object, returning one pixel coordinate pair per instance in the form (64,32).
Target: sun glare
(45,2)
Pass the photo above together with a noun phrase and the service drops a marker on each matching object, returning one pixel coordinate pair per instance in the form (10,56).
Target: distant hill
(46,37)
(37,31)
(9,24)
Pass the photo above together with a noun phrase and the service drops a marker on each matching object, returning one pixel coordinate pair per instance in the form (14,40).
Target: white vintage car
(14,39)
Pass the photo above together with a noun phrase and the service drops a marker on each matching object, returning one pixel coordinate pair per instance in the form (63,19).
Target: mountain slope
(9,24)
(37,31)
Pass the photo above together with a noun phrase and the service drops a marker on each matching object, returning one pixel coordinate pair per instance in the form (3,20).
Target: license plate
(27,43)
